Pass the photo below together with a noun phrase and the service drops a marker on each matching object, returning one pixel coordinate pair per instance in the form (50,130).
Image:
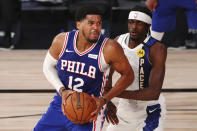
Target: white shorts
(148,118)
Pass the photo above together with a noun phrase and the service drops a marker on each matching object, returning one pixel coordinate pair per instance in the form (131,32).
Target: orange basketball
(78,107)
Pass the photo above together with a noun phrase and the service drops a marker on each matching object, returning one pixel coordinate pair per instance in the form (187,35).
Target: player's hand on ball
(99,104)
(65,95)
(111,113)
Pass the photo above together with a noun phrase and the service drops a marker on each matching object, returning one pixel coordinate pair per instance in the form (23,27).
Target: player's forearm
(120,86)
(144,95)
(108,85)
(50,72)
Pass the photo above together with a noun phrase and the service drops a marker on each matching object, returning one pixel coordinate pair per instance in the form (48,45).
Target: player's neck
(82,44)
(134,43)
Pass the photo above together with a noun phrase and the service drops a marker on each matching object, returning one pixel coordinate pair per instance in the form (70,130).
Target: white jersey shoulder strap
(123,39)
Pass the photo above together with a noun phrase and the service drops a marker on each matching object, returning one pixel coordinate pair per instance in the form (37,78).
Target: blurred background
(32,24)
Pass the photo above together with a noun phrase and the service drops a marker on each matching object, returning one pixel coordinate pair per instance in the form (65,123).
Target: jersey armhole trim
(64,45)
(100,52)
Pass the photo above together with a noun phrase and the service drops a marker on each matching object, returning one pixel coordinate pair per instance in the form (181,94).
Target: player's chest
(86,65)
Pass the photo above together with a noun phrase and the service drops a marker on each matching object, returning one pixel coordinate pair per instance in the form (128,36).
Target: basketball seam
(74,110)
(88,106)
(83,108)
(67,114)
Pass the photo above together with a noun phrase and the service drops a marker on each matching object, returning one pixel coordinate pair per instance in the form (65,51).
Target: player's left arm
(157,56)
(111,109)
(114,56)
(108,85)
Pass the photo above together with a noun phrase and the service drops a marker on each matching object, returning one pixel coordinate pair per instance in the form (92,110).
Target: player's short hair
(142,9)
(86,10)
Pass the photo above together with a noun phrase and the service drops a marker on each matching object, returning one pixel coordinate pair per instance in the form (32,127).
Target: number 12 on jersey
(75,87)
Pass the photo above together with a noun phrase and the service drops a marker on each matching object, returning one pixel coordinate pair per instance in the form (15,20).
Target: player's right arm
(49,67)
(50,62)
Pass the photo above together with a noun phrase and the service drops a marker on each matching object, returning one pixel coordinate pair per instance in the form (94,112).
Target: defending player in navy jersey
(79,61)
(141,106)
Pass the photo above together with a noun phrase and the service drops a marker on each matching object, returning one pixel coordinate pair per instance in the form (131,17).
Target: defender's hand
(111,113)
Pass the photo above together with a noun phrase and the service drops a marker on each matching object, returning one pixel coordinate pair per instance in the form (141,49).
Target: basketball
(78,107)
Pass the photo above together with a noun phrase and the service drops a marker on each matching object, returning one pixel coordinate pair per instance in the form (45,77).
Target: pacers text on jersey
(141,77)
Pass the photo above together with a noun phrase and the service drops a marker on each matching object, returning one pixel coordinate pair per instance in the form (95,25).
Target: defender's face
(137,29)
(91,27)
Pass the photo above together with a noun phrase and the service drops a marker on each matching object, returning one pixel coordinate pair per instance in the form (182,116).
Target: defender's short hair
(142,9)
(85,10)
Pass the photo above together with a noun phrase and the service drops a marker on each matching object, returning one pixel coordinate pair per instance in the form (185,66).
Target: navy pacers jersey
(78,71)
(145,65)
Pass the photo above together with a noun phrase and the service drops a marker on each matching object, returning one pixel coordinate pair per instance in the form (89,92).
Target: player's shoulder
(60,36)
(122,37)
(158,46)
(111,48)
(58,40)
(158,51)
(117,37)
(115,43)
(112,51)
(57,44)
(111,44)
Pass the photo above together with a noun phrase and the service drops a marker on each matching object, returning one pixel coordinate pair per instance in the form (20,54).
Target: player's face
(91,27)
(137,29)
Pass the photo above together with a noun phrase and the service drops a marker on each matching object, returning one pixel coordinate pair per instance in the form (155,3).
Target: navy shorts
(54,120)
(164,17)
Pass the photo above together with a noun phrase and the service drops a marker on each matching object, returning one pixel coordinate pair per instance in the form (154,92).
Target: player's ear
(78,24)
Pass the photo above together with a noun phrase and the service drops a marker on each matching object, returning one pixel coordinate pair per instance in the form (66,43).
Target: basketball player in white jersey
(141,106)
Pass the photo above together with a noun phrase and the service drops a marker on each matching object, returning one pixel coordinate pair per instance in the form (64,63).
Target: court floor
(21,74)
